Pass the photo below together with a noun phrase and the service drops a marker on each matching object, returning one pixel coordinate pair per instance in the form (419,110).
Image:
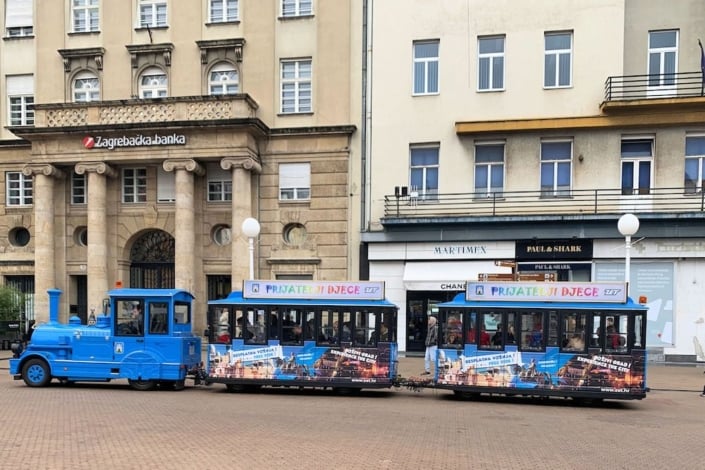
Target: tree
(12,303)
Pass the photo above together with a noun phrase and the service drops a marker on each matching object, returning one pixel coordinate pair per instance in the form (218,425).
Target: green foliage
(11,303)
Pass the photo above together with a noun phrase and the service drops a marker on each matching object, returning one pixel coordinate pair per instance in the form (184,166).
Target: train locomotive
(142,335)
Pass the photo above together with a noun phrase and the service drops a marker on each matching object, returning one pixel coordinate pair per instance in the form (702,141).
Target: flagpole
(702,68)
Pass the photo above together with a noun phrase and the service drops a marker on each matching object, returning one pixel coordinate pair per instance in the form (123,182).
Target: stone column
(242,169)
(97,249)
(44,238)
(185,230)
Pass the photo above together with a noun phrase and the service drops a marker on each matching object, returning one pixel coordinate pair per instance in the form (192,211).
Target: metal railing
(639,87)
(531,203)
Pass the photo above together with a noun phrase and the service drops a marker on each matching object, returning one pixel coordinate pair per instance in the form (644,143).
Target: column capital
(247,162)
(101,168)
(42,169)
(188,164)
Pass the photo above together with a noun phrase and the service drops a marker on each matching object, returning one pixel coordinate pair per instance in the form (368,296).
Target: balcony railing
(533,203)
(141,111)
(640,87)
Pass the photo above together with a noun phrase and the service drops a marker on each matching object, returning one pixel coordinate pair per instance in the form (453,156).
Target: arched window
(223,80)
(153,83)
(86,88)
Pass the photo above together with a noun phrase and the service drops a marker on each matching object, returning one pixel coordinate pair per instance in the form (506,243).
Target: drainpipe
(365,135)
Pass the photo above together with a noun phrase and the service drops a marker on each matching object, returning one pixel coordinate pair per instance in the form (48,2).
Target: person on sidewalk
(431,344)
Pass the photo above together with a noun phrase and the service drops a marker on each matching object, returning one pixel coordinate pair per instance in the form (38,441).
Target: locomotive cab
(142,335)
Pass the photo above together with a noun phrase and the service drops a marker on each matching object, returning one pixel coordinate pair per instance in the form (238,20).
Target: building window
(166,185)
(663,57)
(424,172)
(20,99)
(152,13)
(296,86)
(489,169)
(78,188)
(85,16)
(86,88)
(19,21)
(153,83)
(19,237)
(426,67)
(694,163)
(637,155)
(223,80)
(80,236)
(556,158)
(490,63)
(297,8)
(18,189)
(220,183)
(134,185)
(294,234)
(294,181)
(222,235)
(222,11)
(558,55)
(21,110)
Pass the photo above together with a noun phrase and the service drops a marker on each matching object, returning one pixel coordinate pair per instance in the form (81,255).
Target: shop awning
(447,275)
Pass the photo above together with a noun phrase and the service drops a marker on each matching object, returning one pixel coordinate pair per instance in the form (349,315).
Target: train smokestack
(54,295)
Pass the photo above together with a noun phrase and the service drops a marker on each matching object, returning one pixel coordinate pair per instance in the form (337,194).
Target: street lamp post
(250,227)
(628,225)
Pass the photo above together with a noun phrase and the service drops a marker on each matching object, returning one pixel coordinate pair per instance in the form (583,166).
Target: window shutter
(18,13)
(216,173)
(295,175)
(20,85)
(166,185)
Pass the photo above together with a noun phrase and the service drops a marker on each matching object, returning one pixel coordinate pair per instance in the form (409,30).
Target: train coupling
(199,375)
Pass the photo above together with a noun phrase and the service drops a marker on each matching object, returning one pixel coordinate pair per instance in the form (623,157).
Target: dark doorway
(219,286)
(419,305)
(79,305)
(152,258)
(25,285)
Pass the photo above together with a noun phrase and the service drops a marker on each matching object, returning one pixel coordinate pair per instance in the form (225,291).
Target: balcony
(404,208)
(646,91)
(139,112)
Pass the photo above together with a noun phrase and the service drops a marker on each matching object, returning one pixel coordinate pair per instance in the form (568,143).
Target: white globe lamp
(251,228)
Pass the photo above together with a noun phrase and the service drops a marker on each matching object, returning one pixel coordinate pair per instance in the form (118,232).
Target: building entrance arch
(152,261)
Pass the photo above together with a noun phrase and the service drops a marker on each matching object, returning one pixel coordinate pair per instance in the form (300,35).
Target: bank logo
(88,142)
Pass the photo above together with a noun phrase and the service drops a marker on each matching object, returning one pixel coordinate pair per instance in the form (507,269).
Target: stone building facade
(150,130)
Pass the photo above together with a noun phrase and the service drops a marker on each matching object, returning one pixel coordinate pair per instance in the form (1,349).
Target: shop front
(419,276)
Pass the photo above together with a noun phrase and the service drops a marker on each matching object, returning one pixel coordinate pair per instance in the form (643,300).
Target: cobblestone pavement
(88,426)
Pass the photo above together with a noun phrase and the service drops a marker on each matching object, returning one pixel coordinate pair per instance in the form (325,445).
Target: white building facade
(519,133)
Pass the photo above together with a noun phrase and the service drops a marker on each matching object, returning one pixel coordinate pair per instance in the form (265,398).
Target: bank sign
(139,140)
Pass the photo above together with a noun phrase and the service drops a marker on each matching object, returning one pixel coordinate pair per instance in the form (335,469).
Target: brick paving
(88,426)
